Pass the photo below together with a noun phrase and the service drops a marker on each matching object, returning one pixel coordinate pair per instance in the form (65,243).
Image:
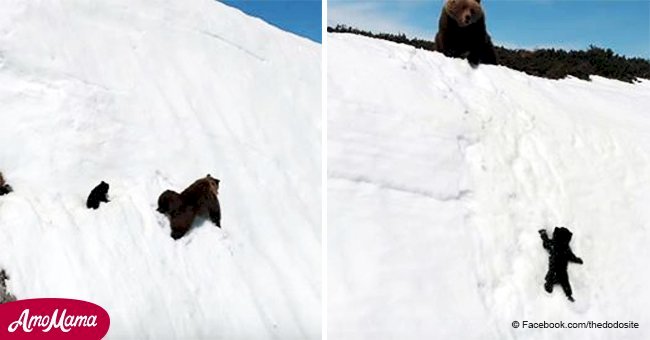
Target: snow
(439,177)
(151,95)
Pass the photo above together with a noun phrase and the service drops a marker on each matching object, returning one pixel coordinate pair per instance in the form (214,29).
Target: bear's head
(562,235)
(169,202)
(464,12)
(214,183)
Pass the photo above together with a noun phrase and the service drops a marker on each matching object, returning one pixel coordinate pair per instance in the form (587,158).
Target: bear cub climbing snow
(4,187)
(560,256)
(462,32)
(199,199)
(97,195)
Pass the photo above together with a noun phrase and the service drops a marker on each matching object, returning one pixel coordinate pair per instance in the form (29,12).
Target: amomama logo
(53,319)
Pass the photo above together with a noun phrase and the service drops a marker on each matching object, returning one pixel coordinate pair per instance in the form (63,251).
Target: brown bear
(4,187)
(200,198)
(462,32)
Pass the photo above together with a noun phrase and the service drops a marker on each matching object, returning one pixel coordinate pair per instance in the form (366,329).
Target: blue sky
(302,17)
(622,25)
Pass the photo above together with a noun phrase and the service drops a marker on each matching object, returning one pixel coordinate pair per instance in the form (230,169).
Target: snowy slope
(440,176)
(150,95)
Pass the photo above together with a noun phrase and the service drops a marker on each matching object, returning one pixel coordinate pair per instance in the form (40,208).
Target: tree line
(545,62)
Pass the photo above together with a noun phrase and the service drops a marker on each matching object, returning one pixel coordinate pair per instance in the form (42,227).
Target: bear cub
(199,199)
(97,195)
(462,32)
(560,255)
(4,187)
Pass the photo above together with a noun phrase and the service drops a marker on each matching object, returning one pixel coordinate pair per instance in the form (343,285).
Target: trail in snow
(440,176)
(150,95)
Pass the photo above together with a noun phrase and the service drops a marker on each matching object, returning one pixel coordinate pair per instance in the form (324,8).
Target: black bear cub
(97,195)
(560,256)
(4,187)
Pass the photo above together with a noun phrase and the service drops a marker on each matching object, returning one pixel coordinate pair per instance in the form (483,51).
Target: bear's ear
(479,1)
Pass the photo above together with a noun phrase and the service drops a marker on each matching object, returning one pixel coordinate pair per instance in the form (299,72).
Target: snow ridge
(441,175)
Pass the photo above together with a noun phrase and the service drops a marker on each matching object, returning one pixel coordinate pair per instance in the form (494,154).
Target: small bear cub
(97,195)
